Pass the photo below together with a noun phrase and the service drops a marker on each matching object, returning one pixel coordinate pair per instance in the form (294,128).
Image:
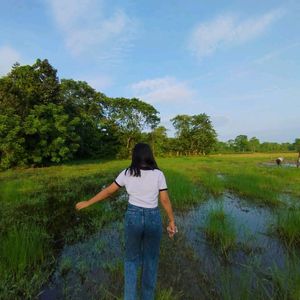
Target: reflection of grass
(220,230)
(287,226)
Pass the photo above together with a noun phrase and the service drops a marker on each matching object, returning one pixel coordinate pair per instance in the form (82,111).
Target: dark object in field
(279,161)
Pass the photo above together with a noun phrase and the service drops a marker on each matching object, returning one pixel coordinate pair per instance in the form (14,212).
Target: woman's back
(143,190)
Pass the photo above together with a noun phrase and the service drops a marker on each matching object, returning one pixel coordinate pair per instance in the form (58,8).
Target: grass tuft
(287,226)
(220,230)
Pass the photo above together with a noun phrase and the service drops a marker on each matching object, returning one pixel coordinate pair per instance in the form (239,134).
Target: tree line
(45,120)
(243,144)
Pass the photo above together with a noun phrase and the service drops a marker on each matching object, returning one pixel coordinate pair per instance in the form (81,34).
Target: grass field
(238,219)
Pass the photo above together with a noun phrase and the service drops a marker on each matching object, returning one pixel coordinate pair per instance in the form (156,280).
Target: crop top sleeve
(162,184)
(120,180)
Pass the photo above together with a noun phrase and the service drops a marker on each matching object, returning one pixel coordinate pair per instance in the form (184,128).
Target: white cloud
(275,53)
(8,56)
(89,29)
(228,30)
(162,90)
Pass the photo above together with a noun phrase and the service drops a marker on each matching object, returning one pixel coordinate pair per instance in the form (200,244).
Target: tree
(131,116)
(253,144)
(241,143)
(35,128)
(182,125)
(50,134)
(98,135)
(195,133)
(204,137)
(26,86)
(12,142)
(158,139)
(297,148)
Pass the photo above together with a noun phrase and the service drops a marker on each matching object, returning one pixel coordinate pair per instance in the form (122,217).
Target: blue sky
(237,61)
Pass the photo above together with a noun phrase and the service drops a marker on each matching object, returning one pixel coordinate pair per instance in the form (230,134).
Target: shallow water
(284,164)
(83,267)
(94,267)
(253,240)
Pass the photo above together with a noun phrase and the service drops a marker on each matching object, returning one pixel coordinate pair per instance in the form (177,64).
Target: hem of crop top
(139,205)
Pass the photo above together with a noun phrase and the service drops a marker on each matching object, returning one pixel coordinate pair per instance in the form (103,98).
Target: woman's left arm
(105,193)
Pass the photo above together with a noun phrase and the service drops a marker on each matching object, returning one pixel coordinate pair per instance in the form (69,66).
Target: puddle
(255,248)
(283,165)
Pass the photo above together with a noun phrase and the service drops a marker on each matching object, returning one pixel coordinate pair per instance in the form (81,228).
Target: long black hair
(142,158)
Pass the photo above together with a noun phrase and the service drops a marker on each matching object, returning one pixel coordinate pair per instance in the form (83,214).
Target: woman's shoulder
(159,171)
(123,172)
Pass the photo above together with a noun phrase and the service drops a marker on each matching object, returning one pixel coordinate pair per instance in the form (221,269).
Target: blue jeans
(143,230)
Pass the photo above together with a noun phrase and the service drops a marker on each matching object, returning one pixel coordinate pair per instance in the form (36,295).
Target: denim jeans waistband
(139,208)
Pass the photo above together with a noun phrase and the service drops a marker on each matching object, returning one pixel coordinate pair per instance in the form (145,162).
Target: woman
(144,182)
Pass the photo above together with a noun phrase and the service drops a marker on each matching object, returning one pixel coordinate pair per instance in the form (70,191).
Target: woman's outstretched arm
(105,193)
(166,203)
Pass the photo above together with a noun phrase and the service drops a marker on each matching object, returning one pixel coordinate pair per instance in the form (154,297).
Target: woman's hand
(82,204)
(172,229)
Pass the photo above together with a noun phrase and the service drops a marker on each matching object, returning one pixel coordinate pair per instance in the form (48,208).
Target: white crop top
(143,191)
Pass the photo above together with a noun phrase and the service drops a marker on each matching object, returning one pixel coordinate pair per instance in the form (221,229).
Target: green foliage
(297,145)
(45,121)
(132,116)
(50,135)
(159,141)
(195,134)
(241,143)
(12,142)
(97,134)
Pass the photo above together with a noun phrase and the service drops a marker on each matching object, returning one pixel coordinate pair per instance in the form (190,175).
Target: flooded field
(238,221)
(93,268)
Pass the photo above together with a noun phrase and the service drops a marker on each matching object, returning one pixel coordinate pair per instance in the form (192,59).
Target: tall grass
(287,226)
(249,184)
(244,175)
(212,182)
(220,230)
(23,248)
(183,191)
(286,281)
